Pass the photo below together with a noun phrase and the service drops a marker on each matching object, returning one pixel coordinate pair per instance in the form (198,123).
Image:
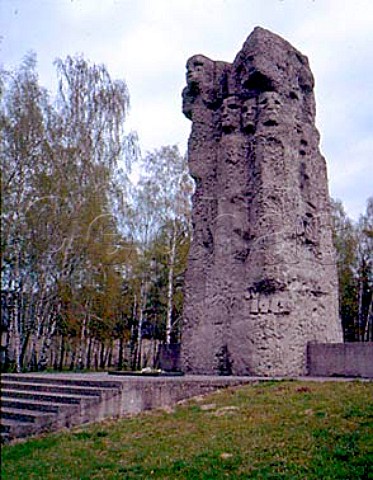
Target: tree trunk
(360,319)
(89,352)
(24,349)
(95,353)
(46,344)
(102,355)
(368,333)
(143,291)
(81,355)
(120,353)
(110,355)
(72,361)
(16,318)
(62,353)
(170,291)
(16,337)
(133,349)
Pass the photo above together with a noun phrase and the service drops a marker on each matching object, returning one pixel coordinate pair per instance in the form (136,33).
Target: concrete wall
(340,359)
(323,359)
(139,394)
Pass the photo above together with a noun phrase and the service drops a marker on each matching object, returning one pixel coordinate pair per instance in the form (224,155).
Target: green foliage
(161,213)
(268,430)
(62,183)
(345,241)
(354,247)
(87,257)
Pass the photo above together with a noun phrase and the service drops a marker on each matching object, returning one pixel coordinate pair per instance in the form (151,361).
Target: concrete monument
(261,280)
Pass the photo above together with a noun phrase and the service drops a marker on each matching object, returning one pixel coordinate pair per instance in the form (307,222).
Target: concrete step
(41,421)
(32,416)
(48,396)
(11,429)
(57,379)
(55,417)
(55,388)
(30,404)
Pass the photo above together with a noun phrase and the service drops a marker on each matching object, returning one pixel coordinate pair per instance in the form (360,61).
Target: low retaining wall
(139,394)
(340,359)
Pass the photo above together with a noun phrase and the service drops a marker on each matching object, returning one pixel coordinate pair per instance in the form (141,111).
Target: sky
(147,43)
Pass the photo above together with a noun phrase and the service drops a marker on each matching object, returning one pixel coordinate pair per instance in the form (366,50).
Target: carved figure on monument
(230,115)
(248,115)
(200,74)
(261,280)
(269,106)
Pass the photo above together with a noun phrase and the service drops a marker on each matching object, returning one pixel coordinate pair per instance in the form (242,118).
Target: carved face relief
(188,102)
(199,71)
(269,106)
(248,115)
(230,115)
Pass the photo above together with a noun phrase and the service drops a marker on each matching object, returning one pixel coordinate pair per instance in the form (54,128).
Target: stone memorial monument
(261,280)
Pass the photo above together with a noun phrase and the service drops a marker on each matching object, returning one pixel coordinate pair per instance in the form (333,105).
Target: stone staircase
(33,404)
(36,403)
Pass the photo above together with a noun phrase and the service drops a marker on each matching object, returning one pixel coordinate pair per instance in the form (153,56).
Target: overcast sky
(147,43)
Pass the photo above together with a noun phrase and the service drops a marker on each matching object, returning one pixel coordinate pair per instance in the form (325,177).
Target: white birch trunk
(16,326)
(368,324)
(16,338)
(47,342)
(360,311)
(81,354)
(170,291)
(143,291)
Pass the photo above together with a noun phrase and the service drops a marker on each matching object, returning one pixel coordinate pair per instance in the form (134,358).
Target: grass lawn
(271,430)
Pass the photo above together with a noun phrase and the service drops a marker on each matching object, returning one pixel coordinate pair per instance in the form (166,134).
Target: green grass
(275,430)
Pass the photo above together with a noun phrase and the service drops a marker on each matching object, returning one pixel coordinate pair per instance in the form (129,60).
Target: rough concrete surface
(341,359)
(261,280)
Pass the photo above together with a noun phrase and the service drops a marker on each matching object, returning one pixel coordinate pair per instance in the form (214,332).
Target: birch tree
(62,160)
(354,246)
(166,180)
(365,273)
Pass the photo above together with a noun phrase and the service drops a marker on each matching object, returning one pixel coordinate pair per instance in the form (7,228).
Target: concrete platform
(40,402)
